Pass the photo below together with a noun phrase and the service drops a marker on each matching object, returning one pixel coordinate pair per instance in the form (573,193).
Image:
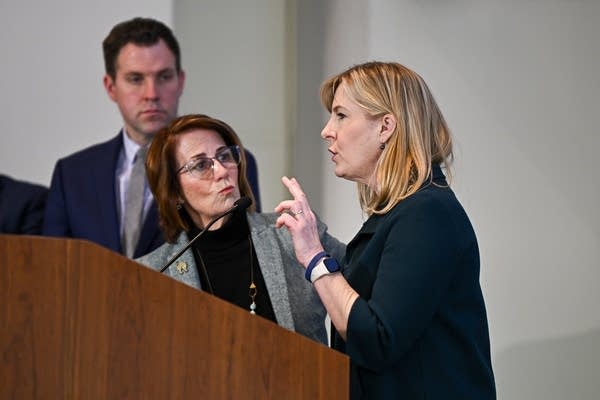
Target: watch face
(331,264)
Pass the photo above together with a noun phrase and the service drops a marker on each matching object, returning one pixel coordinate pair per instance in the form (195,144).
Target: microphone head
(242,203)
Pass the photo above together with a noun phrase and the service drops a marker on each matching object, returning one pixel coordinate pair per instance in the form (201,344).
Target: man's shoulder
(95,151)
(15,186)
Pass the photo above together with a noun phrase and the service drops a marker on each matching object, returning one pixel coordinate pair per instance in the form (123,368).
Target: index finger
(294,187)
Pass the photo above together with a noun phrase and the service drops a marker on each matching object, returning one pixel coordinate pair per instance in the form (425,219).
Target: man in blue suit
(21,206)
(89,188)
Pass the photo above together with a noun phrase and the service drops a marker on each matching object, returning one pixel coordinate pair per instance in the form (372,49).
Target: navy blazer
(419,328)
(82,202)
(21,206)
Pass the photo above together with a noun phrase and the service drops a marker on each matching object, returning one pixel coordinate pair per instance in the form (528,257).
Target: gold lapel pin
(181,267)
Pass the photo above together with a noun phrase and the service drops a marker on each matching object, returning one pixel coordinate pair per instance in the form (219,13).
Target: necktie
(134,203)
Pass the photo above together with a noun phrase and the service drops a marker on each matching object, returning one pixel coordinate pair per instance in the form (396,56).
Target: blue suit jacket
(21,206)
(82,202)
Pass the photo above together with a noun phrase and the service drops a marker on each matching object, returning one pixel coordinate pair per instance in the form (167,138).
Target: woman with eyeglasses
(196,170)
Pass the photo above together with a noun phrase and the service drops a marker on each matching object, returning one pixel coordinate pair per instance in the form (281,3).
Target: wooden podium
(78,321)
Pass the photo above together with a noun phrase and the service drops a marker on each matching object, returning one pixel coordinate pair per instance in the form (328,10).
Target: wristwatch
(326,265)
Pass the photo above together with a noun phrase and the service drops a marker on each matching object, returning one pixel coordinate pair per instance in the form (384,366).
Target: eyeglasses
(203,167)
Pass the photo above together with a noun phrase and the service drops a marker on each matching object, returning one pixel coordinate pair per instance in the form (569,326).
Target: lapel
(103,179)
(184,268)
(151,232)
(270,261)
(354,250)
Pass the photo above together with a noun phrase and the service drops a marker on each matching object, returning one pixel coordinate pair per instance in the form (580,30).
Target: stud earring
(382,146)
(178,205)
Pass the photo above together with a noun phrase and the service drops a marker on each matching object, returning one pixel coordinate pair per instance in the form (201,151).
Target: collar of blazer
(270,260)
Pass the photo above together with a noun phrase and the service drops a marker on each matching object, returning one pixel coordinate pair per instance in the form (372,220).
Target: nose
(327,133)
(219,170)
(150,89)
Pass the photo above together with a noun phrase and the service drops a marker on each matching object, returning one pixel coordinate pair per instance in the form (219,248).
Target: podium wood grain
(78,321)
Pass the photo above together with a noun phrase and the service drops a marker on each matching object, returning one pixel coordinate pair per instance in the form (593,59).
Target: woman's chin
(349,177)
(340,173)
(228,199)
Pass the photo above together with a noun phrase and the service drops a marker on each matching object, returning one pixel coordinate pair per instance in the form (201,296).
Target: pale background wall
(236,55)
(51,94)
(517,81)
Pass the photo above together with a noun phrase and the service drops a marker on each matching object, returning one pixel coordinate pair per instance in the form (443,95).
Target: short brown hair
(141,32)
(161,168)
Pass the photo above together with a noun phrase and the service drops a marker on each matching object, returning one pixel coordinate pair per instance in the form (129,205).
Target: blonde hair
(421,137)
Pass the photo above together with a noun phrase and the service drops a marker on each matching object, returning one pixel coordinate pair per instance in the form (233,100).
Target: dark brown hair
(161,169)
(141,32)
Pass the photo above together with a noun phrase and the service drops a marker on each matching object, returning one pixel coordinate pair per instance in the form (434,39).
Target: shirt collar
(130,147)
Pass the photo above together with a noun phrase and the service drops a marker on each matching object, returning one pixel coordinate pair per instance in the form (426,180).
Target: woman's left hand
(298,218)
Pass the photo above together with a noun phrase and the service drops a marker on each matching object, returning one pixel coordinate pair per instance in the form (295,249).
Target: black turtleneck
(226,255)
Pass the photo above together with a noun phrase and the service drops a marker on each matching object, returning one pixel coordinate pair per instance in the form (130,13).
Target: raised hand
(298,218)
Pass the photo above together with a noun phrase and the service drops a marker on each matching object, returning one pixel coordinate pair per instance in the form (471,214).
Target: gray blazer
(296,304)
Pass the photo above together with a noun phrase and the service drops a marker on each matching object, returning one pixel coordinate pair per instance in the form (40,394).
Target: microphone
(241,204)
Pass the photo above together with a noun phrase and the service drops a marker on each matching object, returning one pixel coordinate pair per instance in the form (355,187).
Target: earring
(178,206)
(382,146)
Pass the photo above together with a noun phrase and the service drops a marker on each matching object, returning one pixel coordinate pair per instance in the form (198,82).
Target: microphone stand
(243,203)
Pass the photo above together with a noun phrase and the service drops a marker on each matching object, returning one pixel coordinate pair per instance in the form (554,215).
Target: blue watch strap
(313,263)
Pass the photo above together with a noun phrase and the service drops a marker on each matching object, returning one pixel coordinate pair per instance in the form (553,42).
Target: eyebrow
(337,107)
(133,73)
(203,154)
(168,69)
(159,72)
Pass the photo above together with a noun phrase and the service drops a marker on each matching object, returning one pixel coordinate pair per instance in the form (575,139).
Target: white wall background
(517,81)
(238,69)
(51,94)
